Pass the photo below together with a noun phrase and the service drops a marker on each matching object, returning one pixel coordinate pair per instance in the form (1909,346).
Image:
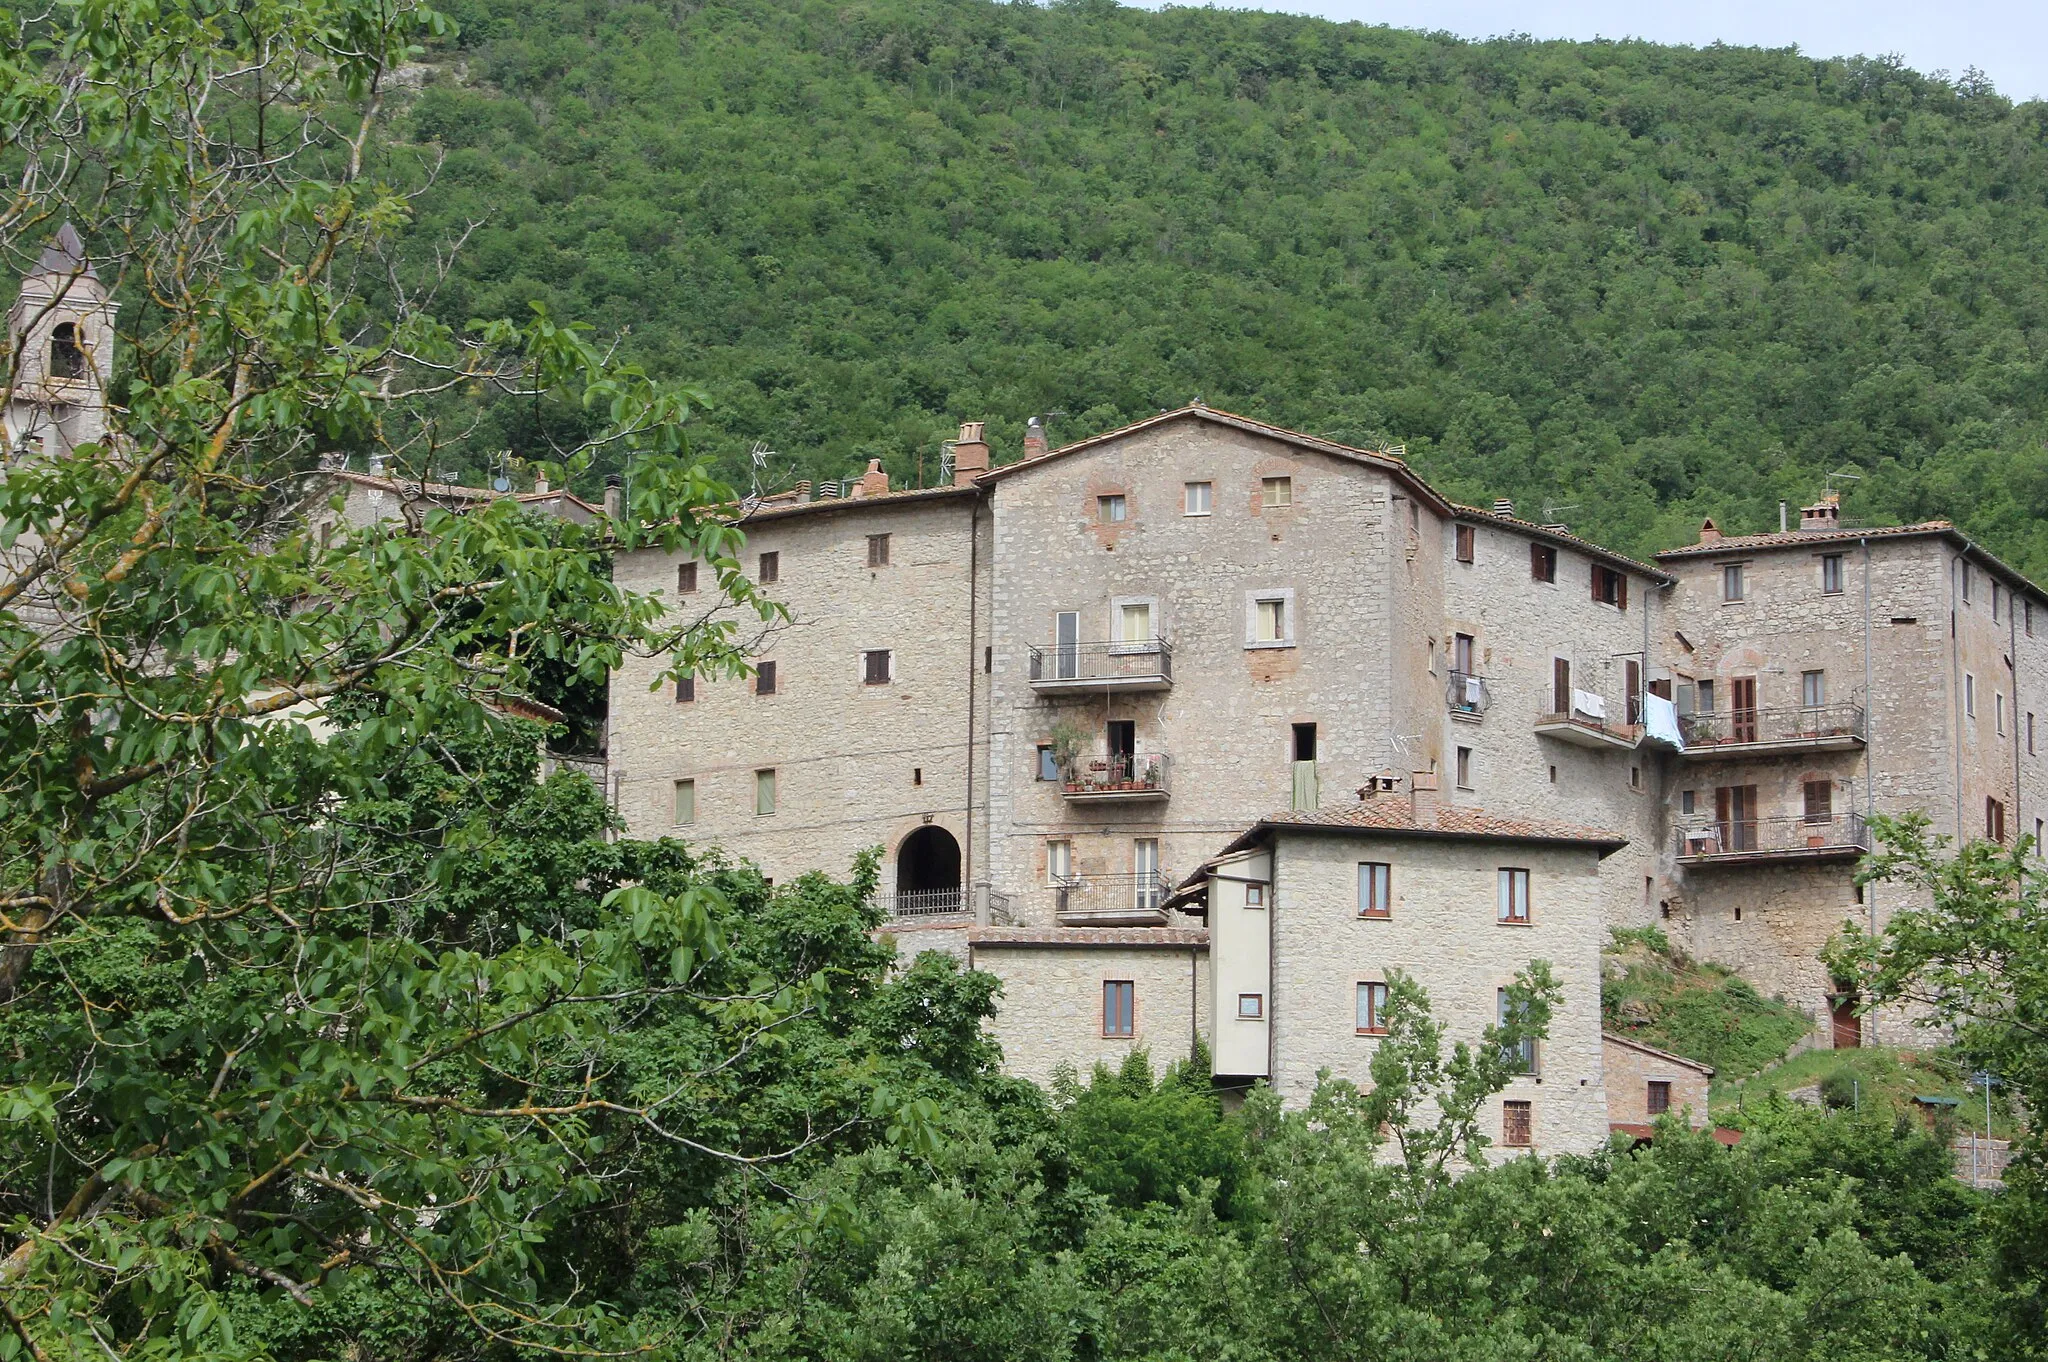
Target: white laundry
(1587,703)
(1660,721)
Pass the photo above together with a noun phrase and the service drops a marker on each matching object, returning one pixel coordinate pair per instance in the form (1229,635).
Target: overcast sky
(2006,39)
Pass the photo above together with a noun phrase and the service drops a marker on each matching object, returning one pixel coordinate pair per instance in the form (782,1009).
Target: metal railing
(1136,773)
(1102,661)
(916,904)
(1614,720)
(1833,832)
(1135,892)
(1468,693)
(1807,724)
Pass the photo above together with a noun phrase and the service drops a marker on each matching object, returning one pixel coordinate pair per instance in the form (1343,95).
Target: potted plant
(1067,737)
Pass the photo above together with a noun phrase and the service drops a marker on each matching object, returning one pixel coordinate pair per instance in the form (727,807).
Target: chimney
(614,496)
(540,484)
(970,454)
(1422,790)
(874,482)
(1710,533)
(376,465)
(1825,514)
(1504,508)
(1034,439)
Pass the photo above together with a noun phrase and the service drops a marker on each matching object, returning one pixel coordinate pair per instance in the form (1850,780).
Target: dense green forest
(1628,283)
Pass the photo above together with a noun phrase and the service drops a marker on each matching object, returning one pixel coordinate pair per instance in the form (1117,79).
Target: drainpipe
(1272,959)
(1955,679)
(973,638)
(1869,760)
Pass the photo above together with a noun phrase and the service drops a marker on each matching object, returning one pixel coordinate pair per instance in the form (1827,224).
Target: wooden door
(1847,1025)
(1742,715)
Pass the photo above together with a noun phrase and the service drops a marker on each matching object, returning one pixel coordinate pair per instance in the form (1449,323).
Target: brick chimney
(614,496)
(970,454)
(1422,791)
(1504,508)
(1035,444)
(874,482)
(1710,533)
(1825,514)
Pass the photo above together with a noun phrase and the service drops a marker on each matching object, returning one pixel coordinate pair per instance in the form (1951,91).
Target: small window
(1466,539)
(686,690)
(1688,801)
(1635,777)
(1705,691)
(1521,1055)
(1048,762)
(1255,896)
(1119,1008)
(1276,491)
(878,550)
(1516,1125)
(686,578)
(1251,1006)
(1553,775)
(1110,509)
(67,357)
(917,775)
(1464,768)
(771,568)
(686,803)
(1657,1100)
(988,658)
(1820,800)
(1830,575)
(1196,498)
(1372,1009)
(2030,619)
(1994,819)
(1998,708)
(1997,595)
(1270,622)
(1304,742)
(2030,733)
(1542,563)
(1969,695)
(1966,583)
(1375,889)
(1813,689)
(1059,861)
(764,791)
(1610,587)
(1732,583)
(1513,896)
(764,678)
(874,667)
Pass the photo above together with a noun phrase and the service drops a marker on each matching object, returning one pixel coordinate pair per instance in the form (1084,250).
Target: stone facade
(1632,1068)
(61,335)
(1055,995)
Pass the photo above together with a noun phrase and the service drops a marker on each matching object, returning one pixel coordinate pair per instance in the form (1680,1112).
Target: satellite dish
(501,483)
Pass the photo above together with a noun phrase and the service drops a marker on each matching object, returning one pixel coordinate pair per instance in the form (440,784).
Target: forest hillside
(1627,285)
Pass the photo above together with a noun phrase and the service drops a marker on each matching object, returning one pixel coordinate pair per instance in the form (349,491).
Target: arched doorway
(928,872)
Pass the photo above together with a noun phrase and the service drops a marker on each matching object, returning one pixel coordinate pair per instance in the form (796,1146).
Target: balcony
(1588,723)
(1822,837)
(1763,732)
(1137,778)
(946,907)
(1102,667)
(1467,696)
(1133,900)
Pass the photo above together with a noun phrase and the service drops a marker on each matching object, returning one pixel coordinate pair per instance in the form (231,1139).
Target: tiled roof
(1706,1069)
(1783,539)
(1088,936)
(1374,457)
(777,510)
(64,256)
(1643,1132)
(1395,813)
(1557,536)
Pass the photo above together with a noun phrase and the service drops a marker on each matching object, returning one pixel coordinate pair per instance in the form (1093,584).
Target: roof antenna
(1839,475)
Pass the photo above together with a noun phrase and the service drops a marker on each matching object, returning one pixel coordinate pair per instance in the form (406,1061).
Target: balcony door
(1742,709)
(1122,737)
(1735,812)
(1560,686)
(1066,633)
(1145,872)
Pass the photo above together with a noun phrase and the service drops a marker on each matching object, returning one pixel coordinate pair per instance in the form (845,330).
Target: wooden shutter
(1560,685)
(1515,1125)
(1621,590)
(764,678)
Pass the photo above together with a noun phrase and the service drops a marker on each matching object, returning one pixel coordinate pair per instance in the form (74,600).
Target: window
(1998,710)
(1632,683)
(1048,762)
(67,357)
(1110,509)
(764,791)
(1276,491)
(1994,819)
(1996,593)
(1464,768)
(1465,538)
(1830,585)
(1119,1007)
(1196,497)
(1610,587)
(917,775)
(1255,896)
(1735,816)
(1131,622)
(1463,647)
(686,803)
(1635,777)
(1820,800)
(1966,584)
(1705,691)
(686,689)
(1969,695)
(771,568)
(1304,742)
(1145,871)
(1375,889)
(2030,733)
(874,667)
(1657,1100)
(1269,621)
(1372,1009)
(1688,801)
(1813,689)
(1553,775)
(764,678)
(1731,581)
(1516,1125)
(1522,1054)
(1514,896)
(1542,563)
(686,578)
(878,550)
(1059,861)
(1251,1006)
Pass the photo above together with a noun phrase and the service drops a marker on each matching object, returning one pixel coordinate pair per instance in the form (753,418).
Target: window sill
(1513,922)
(1375,1034)
(1242,1017)
(1269,643)
(1377,917)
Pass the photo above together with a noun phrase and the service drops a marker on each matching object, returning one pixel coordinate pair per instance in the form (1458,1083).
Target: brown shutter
(1621,590)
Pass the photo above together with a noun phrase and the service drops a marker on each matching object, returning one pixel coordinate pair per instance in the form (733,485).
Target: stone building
(1645,1083)
(60,337)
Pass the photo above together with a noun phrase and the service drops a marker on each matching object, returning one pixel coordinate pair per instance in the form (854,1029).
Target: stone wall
(1050,1011)
(1631,1068)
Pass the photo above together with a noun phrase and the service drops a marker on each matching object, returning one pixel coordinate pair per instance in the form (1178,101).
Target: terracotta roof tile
(1088,936)
(1781,539)
(1395,813)
(1706,1069)
(1557,536)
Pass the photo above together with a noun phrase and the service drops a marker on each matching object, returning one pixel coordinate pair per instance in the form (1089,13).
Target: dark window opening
(1658,1100)
(771,568)
(1542,563)
(67,358)
(878,550)
(686,578)
(764,678)
(1304,742)
(875,667)
(1610,587)
(686,689)
(928,865)
(1122,736)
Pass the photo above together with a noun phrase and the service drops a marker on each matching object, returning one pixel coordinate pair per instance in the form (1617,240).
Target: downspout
(2012,652)
(973,639)
(1195,1006)
(1272,959)
(1869,763)
(1955,680)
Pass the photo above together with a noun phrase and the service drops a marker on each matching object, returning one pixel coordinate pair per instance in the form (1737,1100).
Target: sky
(2006,39)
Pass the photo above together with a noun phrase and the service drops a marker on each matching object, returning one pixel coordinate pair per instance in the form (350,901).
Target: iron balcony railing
(1131,775)
(916,904)
(1805,726)
(1801,834)
(1082,896)
(1079,663)
(1468,693)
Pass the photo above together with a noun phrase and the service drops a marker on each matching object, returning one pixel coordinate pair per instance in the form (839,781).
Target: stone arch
(928,863)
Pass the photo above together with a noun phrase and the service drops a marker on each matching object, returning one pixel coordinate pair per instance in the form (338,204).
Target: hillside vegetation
(1626,284)
(1651,993)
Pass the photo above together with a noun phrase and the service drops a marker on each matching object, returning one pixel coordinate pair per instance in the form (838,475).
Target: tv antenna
(1839,475)
(1552,510)
(758,457)
(946,462)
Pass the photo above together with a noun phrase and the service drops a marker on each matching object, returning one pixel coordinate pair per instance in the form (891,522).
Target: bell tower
(60,339)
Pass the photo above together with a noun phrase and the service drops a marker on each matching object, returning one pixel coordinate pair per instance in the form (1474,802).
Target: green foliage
(1137,1142)
(1703,1011)
(1838,1090)
(1647,283)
